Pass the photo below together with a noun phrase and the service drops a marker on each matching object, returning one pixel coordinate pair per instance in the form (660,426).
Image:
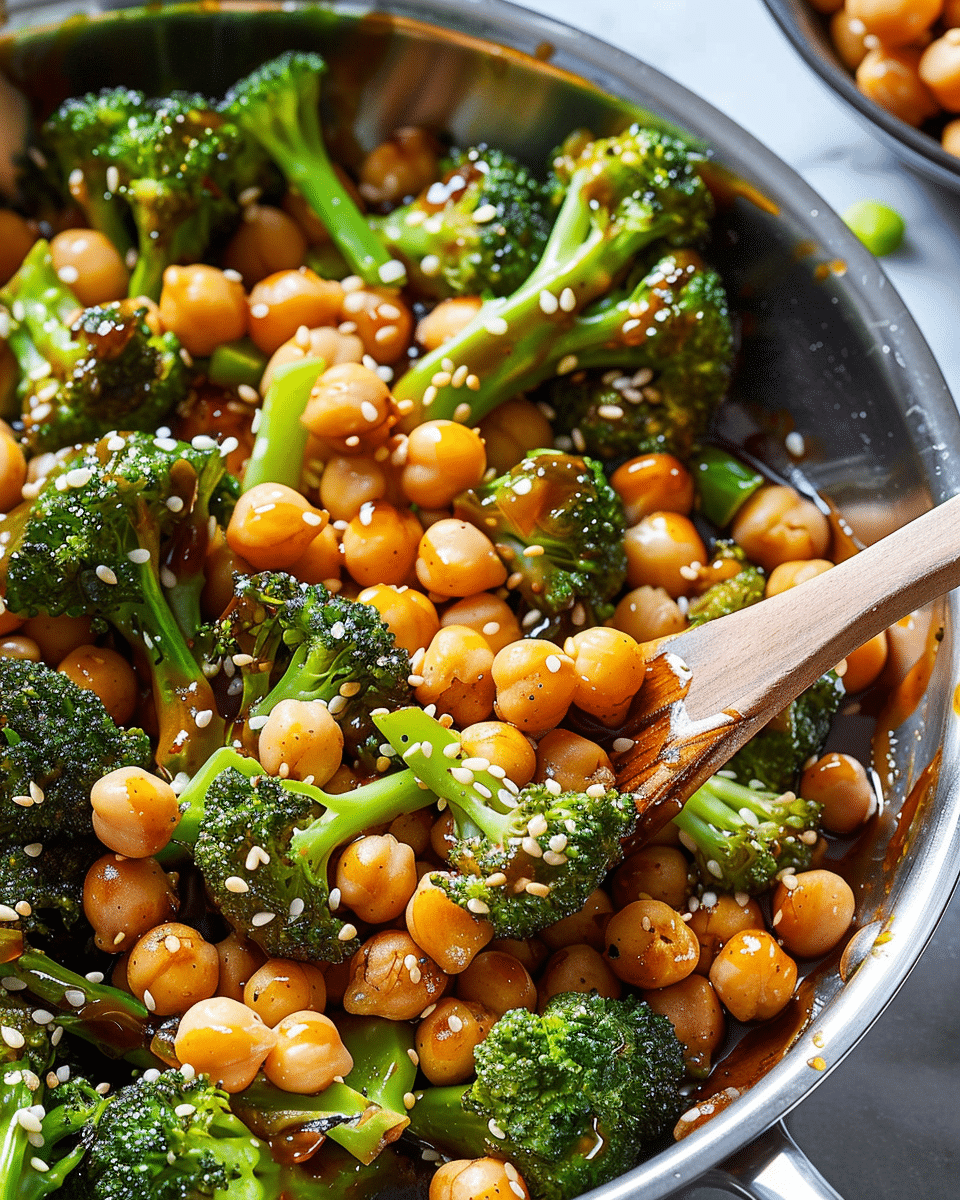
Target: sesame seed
(75,997)
(462,413)
(40,1016)
(262,918)
(149,1000)
(497,326)
(347,933)
(185,1110)
(13,1037)
(248,394)
(567,364)
(462,776)
(385,333)
(553,787)
(485,213)
(622,745)
(392,271)
(33,850)
(568,301)
(553,663)
(233,883)
(553,858)
(409,1100)
(334,899)
(532,847)
(113,178)
(495,1129)
(259,311)
(430,265)
(476,905)
(105,574)
(459,377)
(203,718)
(548,302)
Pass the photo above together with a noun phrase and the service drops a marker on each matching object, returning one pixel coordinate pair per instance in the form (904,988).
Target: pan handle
(771,1168)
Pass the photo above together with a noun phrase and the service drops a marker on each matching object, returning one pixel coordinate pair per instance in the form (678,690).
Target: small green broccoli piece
(723,483)
(564,504)
(449,249)
(49,877)
(278,107)
(743,837)
(85,372)
(746,586)
(56,740)
(775,756)
(622,194)
(574,1097)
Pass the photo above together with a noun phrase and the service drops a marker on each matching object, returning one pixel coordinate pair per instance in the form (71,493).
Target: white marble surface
(884,1124)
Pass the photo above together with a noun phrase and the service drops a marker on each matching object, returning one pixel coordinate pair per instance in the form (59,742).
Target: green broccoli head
(43,882)
(563,504)
(56,740)
(478,230)
(740,585)
(35,1052)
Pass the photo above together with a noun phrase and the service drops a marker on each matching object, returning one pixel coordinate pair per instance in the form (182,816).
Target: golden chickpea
(451,935)
(13,645)
(224,1039)
(376,876)
(664,550)
(863,666)
(658,872)
(400,167)
(457,674)
(478,1179)
(791,574)
(268,241)
(840,783)
(90,265)
(279,304)
(499,981)
(895,22)
(349,408)
(587,926)
(322,560)
(647,613)
(380,544)
(752,976)
(812,912)
(447,1037)
(950,138)
(390,976)
(13,473)
(239,960)
(610,668)
(328,345)
(409,615)
(535,685)
(653,483)
(172,967)
(503,746)
(350,481)
(512,430)
(134,812)
(454,558)
(443,459)
(58,636)
(890,77)
(577,968)
(531,953)
(849,36)
(381,319)
(714,924)
(777,525)
(413,830)
(104,671)
(446,319)
(272,525)
(488,615)
(695,1012)
(301,740)
(309,1054)
(203,307)
(940,69)
(281,986)
(123,898)
(16,238)
(573,761)
(649,945)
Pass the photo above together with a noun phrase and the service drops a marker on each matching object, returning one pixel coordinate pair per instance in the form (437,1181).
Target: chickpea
(325,343)
(647,613)
(381,319)
(863,666)
(454,558)
(446,319)
(239,960)
(488,615)
(511,431)
(951,137)
(443,836)
(649,945)
(849,36)
(443,459)
(16,646)
(272,525)
(16,238)
(446,1039)
(413,830)
(224,1039)
(309,1054)
(268,241)
(535,685)
(380,544)
(203,307)
(531,953)
(457,674)
(171,967)
(695,1012)
(653,483)
(573,761)
(588,926)
(134,812)
(58,636)
(498,981)
(890,77)
(610,668)
(286,300)
(577,968)
(13,473)
(840,783)
(350,481)
(376,876)
(812,912)
(448,933)
(409,615)
(776,525)
(791,574)
(401,167)
(123,898)
(477,1179)
(752,976)
(301,741)
(101,670)
(895,22)
(664,550)
(281,986)
(321,561)
(658,872)
(503,746)
(940,69)
(390,976)
(714,924)
(90,265)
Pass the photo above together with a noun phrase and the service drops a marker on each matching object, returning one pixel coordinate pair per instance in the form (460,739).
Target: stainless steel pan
(828,347)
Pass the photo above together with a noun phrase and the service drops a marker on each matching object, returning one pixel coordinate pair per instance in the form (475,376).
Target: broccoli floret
(776,755)
(739,585)
(56,741)
(563,503)
(523,859)
(667,345)
(622,194)
(95,541)
(574,1097)
(278,107)
(743,837)
(85,372)
(49,877)
(449,249)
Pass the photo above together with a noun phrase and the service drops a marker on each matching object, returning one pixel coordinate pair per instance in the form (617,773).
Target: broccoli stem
(439,1119)
(15,1148)
(233,364)
(723,483)
(383,1068)
(277,454)
(192,796)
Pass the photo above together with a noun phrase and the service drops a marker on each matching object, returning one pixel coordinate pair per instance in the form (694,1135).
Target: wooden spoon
(710,688)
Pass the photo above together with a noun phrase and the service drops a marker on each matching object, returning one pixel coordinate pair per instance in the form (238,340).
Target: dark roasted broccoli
(478,230)
(56,740)
(278,107)
(573,1097)
(622,194)
(728,583)
(743,837)
(85,372)
(109,535)
(564,504)
(43,883)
